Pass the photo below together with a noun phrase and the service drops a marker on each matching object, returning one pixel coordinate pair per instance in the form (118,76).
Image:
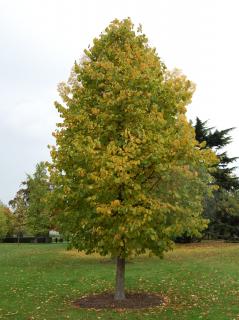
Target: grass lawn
(39,282)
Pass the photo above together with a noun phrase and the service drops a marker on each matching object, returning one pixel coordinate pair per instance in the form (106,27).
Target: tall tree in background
(223,208)
(217,140)
(30,206)
(8,219)
(19,209)
(126,172)
(37,190)
(3,221)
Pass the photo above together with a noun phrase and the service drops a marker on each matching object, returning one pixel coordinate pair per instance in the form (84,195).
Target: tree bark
(120,275)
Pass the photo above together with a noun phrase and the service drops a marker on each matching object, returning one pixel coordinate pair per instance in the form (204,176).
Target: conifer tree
(222,208)
(216,140)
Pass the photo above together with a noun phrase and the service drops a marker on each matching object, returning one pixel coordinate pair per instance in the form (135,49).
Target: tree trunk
(119,285)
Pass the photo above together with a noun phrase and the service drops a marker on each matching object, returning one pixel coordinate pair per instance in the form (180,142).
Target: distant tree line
(28,213)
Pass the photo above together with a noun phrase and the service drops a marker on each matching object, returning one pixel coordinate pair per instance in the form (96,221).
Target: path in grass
(39,282)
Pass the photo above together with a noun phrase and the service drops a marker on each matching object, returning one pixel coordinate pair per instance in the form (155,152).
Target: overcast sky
(41,39)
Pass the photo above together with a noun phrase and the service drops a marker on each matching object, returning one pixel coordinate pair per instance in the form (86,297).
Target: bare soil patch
(132,301)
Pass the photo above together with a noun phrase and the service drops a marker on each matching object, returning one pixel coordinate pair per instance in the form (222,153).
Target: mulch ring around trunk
(132,301)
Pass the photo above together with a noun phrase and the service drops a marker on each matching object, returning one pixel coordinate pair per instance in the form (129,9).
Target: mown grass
(39,282)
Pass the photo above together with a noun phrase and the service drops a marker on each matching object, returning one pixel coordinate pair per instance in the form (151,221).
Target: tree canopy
(128,174)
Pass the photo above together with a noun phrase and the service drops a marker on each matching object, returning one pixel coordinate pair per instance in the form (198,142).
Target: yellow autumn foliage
(125,152)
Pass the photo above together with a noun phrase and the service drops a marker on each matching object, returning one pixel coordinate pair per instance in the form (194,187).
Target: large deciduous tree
(127,173)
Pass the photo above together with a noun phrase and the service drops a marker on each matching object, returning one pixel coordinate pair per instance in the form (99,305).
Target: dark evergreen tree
(223,208)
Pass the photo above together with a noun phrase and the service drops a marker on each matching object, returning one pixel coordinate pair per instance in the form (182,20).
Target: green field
(40,281)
